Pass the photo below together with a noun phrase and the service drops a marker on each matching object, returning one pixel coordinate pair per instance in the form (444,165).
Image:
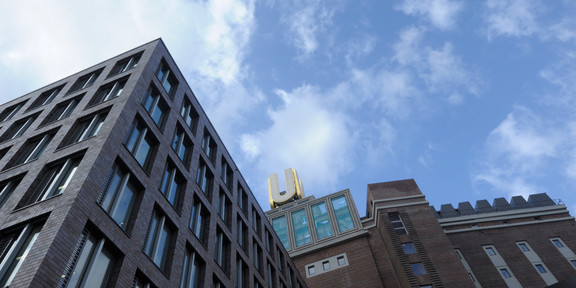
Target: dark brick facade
(67,215)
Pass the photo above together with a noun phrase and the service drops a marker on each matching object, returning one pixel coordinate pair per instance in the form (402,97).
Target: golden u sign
(293,191)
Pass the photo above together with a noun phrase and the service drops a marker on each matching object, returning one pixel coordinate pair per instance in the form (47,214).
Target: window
(490,251)
(280,260)
(408,248)
(226,173)
(505,273)
(54,181)
(155,105)
(326,265)
(418,269)
(279,225)
(342,212)
(14,248)
(192,270)
(209,146)
(255,220)
(341,260)
(222,252)
(199,220)
(321,220)
(90,264)
(224,207)
(204,178)
(301,231)
(182,145)
(242,199)
(271,276)
(558,243)
(524,247)
(167,78)
(311,270)
(18,128)
(140,143)
(256,255)
(573,262)
(397,224)
(7,187)
(141,281)
(172,185)
(87,127)
(108,91)
(9,112)
(119,194)
(242,233)
(85,81)
(125,64)
(269,240)
(46,97)
(33,148)
(189,114)
(62,110)
(540,268)
(241,273)
(158,240)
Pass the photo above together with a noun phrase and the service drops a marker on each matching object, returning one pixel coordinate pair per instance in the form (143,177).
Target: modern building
(115,177)
(405,242)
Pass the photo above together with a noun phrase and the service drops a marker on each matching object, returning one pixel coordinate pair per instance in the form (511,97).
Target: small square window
(557,243)
(540,268)
(418,268)
(573,262)
(311,270)
(326,265)
(341,261)
(524,247)
(505,273)
(490,251)
(408,248)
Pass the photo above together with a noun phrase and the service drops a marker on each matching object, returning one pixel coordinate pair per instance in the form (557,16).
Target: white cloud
(562,75)
(440,13)
(511,17)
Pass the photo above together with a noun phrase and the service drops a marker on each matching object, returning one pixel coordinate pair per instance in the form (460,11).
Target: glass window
(141,281)
(14,248)
(222,251)
(46,97)
(540,268)
(301,231)
(490,251)
(91,263)
(326,265)
(256,255)
(321,220)
(54,181)
(505,273)
(271,276)
(242,199)
(18,128)
(172,184)
(189,114)
(397,224)
(558,243)
(167,78)
(408,248)
(524,247)
(255,220)
(311,270)
(125,64)
(182,145)
(155,105)
(192,270)
(242,233)
(7,187)
(341,260)
(199,220)
(108,91)
(85,81)
(279,225)
(9,112)
(241,273)
(140,143)
(118,196)
(342,213)
(204,178)
(209,146)
(418,269)
(226,173)
(158,241)
(224,207)
(62,110)
(34,148)
(88,127)
(573,262)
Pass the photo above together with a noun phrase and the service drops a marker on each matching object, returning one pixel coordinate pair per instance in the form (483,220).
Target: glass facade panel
(342,212)
(281,229)
(301,230)
(321,220)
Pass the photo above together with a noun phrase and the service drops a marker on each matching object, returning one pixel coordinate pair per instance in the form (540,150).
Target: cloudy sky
(472,99)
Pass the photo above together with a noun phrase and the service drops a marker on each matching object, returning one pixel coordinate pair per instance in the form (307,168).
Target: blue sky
(472,99)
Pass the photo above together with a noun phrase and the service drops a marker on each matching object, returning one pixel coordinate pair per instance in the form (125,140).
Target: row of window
(325,222)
